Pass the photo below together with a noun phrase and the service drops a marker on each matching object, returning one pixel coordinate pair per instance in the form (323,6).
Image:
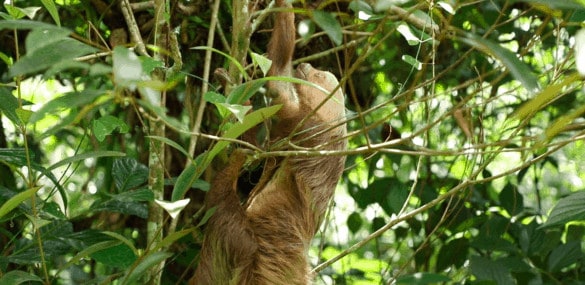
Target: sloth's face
(312,97)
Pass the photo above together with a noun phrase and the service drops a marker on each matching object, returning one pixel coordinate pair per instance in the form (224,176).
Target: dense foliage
(466,162)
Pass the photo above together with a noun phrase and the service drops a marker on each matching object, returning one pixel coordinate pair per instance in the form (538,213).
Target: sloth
(266,240)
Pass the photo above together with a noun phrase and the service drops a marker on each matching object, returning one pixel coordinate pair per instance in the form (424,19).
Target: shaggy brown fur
(266,241)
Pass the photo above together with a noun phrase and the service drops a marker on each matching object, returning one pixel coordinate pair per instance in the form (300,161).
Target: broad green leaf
(144,265)
(24,25)
(421,278)
(129,173)
(327,22)
(18,13)
(487,269)
(66,49)
(16,200)
(454,253)
(24,115)
(243,92)
(412,61)
(214,97)
(361,6)
(565,255)
(568,209)
(15,277)
(187,178)
(517,68)
(173,208)
(119,256)
(140,195)
(149,64)
(39,39)
(354,222)
(105,125)
(18,157)
(52,8)
(84,156)
(261,61)
(125,207)
(9,105)
(511,200)
(90,250)
(239,111)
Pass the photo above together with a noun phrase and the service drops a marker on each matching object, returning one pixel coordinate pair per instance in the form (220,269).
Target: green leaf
(119,256)
(243,92)
(24,25)
(568,209)
(129,173)
(144,265)
(18,13)
(565,255)
(519,69)
(412,61)
(54,53)
(125,207)
(214,97)
(90,250)
(421,278)
(24,115)
(52,8)
(187,178)
(263,62)
(361,6)
(171,238)
(150,64)
(354,222)
(9,106)
(487,269)
(511,200)
(141,195)
(454,253)
(15,277)
(39,39)
(106,125)
(239,111)
(208,214)
(327,22)
(84,156)
(16,200)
